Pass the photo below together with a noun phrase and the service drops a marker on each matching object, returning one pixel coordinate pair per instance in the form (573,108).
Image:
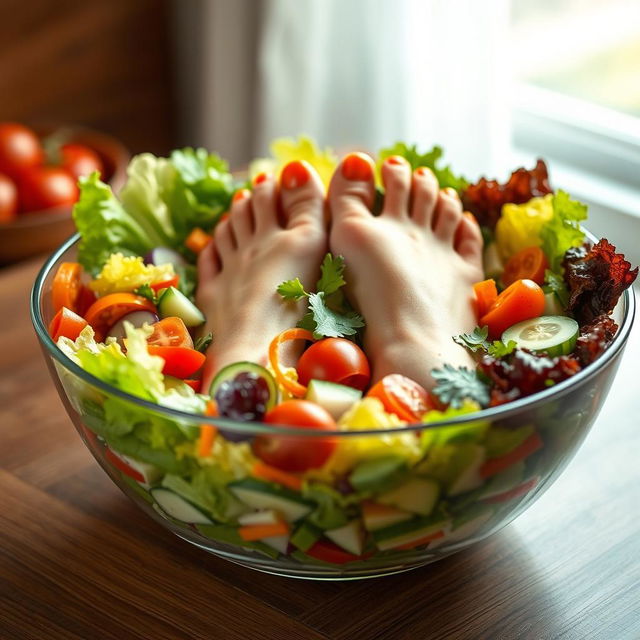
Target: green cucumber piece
(378,474)
(553,335)
(305,536)
(179,508)
(409,531)
(232,370)
(417,495)
(349,537)
(174,303)
(261,495)
(335,398)
(229,535)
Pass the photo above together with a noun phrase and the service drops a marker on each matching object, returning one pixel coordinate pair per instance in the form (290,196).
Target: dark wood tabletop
(79,561)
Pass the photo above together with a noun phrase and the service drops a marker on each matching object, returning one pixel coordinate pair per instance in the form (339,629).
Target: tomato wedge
(486,294)
(402,396)
(165,284)
(179,362)
(106,311)
(522,300)
(66,323)
(331,553)
(530,263)
(170,332)
(86,298)
(66,286)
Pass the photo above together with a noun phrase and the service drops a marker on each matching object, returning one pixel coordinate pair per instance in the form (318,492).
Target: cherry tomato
(66,323)
(20,149)
(86,298)
(196,385)
(121,465)
(79,160)
(8,199)
(66,286)
(486,294)
(179,362)
(46,187)
(170,332)
(402,396)
(336,360)
(530,263)
(106,311)
(522,300)
(290,453)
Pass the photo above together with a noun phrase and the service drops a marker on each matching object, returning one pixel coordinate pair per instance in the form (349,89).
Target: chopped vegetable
(66,287)
(106,311)
(292,386)
(121,273)
(180,362)
(170,332)
(454,386)
(258,531)
(197,240)
(527,264)
(402,396)
(66,323)
(271,474)
(486,294)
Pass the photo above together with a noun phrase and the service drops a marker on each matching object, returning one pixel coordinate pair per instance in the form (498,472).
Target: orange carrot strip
(207,432)
(197,240)
(486,294)
(293,387)
(271,474)
(258,531)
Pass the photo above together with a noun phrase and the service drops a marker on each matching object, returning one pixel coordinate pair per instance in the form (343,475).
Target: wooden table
(78,561)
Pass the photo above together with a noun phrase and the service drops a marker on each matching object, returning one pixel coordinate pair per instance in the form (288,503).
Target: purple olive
(164,255)
(136,318)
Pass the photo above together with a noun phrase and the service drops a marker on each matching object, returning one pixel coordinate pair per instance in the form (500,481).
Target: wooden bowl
(36,233)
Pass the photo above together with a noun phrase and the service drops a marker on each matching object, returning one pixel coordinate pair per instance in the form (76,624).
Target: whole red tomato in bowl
(39,171)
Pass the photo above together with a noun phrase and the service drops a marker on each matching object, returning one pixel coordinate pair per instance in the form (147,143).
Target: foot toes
(302,196)
(352,190)
(468,239)
(208,263)
(396,177)
(448,214)
(240,216)
(425,196)
(223,239)
(264,203)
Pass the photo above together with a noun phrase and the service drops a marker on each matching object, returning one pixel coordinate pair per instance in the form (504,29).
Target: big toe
(302,196)
(352,189)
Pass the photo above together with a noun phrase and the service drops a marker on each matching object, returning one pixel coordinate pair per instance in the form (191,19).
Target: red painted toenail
(356,166)
(294,175)
(468,214)
(241,194)
(261,177)
(396,160)
(424,172)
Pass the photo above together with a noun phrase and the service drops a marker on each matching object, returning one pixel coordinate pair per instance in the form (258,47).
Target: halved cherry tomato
(165,284)
(402,396)
(106,311)
(86,298)
(530,263)
(66,286)
(66,323)
(170,332)
(179,362)
(486,294)
(522,300)
(332,553)
(291,453)
(336,360)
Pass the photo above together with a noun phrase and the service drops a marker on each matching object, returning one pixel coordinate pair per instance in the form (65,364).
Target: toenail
(451,192)
(241,194)
(396,160)
(356,167)
(470,216)
(424,172)
(294,175)
(261,177)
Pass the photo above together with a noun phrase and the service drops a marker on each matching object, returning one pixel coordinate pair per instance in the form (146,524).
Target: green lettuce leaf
(332,508)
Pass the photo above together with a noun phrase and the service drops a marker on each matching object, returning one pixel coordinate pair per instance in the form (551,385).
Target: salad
(125,313)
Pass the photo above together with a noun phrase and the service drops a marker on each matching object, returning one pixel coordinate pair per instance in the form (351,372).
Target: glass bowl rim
(502,411)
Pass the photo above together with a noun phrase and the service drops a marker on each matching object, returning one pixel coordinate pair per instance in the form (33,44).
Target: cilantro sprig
(455,385)
(477,341)
(329,314)
(145,291)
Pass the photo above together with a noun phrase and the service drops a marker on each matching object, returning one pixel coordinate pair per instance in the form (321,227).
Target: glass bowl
(472,475)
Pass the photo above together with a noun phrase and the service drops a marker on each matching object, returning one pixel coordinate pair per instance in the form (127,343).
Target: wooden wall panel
(101,63)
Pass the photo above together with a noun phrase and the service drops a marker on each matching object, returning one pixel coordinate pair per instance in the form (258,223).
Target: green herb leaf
(475,340)
(330,323)
(446,177)
(203,342)
(563,230)
(292,290)
(332,270)
(556,284)
(499,349)
(453,386)
(145,291)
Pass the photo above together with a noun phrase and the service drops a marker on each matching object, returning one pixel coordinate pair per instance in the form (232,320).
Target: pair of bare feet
(409,272)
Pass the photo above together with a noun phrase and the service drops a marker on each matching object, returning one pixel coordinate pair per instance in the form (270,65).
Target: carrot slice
(293,387)
(252,532)
(271,474)
(197,240)
(207,432)
(486,294)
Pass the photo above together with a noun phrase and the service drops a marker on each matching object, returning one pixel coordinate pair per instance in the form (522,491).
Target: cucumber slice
(335,398)
(177,507)
(553,335)
(174,303)
(232,370)
(261,495)
(418,495)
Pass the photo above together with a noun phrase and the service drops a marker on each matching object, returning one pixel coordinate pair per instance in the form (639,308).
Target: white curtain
(355,73)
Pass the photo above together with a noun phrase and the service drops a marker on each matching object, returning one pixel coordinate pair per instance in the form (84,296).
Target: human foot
(410,269)
(273,233)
